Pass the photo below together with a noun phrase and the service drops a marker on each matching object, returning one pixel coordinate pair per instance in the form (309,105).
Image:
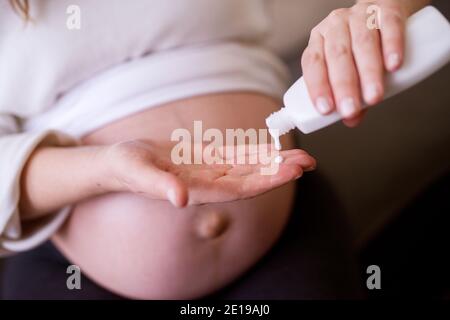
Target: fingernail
(312,168)
(393,61)
(347,108)
(171,196)
(371,93)
(322,105)
(298,176)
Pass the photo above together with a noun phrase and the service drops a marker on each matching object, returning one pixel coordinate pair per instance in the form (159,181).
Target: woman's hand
(54,177)
(345,59)
(145,168)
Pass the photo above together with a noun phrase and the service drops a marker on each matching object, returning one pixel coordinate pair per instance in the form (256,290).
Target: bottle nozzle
(279,123)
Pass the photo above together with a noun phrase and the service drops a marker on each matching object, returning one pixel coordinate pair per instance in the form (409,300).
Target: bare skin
(135,242)
(135,164)
(345,61)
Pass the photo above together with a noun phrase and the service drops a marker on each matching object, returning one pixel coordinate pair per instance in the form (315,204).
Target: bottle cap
(281,121)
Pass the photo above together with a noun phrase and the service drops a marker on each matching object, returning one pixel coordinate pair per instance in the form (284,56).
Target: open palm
(147,168)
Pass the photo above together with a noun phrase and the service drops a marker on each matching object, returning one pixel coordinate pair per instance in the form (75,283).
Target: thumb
(165,185)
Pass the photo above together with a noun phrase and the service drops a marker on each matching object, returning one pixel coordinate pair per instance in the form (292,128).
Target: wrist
(110,172)
(87,165)
(57,176)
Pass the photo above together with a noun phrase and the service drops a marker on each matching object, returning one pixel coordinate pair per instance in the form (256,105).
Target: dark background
(412,250)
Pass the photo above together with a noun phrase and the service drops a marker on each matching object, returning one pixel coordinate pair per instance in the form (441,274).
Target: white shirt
(57,84)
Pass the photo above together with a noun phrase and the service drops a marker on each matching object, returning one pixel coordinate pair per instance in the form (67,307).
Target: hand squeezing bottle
(427,49)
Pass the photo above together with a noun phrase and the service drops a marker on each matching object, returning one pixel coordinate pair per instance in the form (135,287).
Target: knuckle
(339,50)
(393,19)
(315,31)
(338,14)
(394,7)
(311,56)
(363,36)
(315,57)
(359,8)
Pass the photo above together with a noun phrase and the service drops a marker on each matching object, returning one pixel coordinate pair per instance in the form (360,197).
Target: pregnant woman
(87,111)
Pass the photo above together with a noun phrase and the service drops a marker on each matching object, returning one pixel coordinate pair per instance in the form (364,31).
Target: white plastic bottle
(427,49)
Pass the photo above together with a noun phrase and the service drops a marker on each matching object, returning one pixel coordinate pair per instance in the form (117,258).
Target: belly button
(211,224)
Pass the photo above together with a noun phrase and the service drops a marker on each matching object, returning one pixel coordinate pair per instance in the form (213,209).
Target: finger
(368,58)
(257,184)
(316,75)
(163,185)
(294,156)
(351,123)
(306,162)
(234,187)
(234,152)
(246,153)
(392,37)
(341,68)
(299,157)
(231,187)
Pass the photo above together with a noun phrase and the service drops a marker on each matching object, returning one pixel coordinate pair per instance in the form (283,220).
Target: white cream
(278,159)
(275,134)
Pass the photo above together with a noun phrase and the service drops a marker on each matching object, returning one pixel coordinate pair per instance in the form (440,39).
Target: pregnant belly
(143,248)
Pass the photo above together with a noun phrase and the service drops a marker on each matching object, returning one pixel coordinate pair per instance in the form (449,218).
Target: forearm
(55,177)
